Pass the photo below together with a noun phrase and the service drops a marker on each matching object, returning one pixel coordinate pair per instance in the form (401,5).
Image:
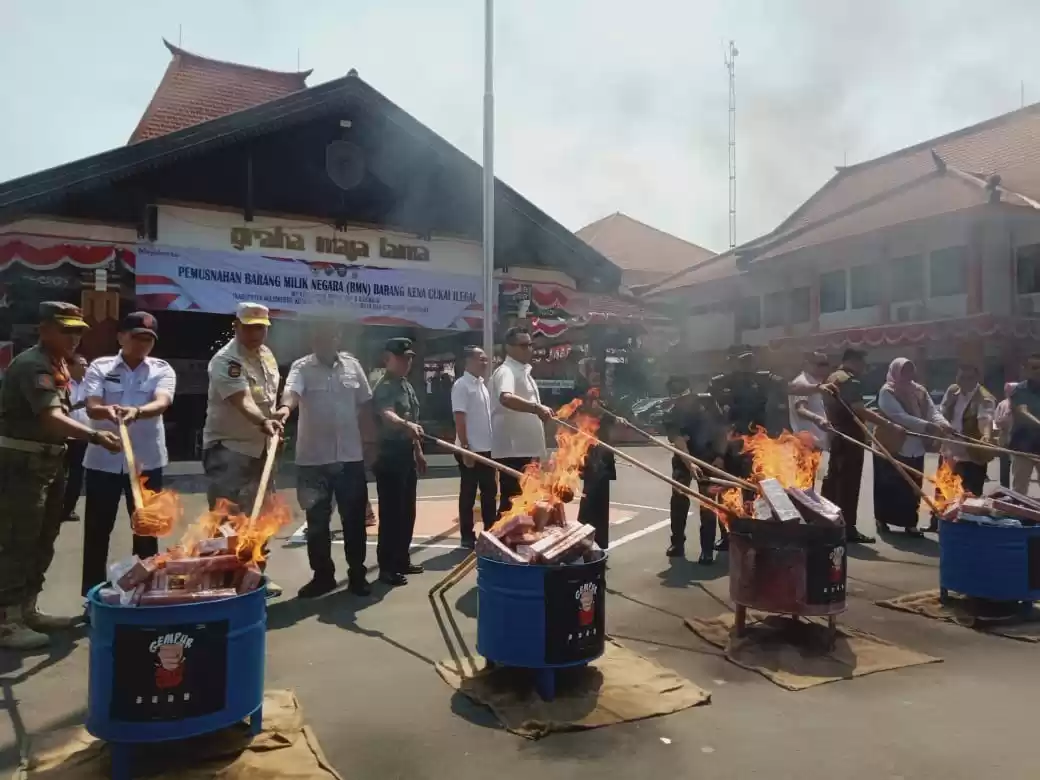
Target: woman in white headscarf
(906,403)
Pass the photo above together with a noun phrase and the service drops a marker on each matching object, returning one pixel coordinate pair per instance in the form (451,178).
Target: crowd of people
(61,421)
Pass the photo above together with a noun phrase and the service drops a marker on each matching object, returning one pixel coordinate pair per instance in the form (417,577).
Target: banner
(215,281)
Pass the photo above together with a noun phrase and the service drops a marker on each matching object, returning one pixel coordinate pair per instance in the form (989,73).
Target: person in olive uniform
(34,426)
(399,461)
(695,426)
(749,399)
(599,467)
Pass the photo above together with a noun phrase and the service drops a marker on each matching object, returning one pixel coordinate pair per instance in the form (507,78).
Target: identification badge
(44,382)
(234,369)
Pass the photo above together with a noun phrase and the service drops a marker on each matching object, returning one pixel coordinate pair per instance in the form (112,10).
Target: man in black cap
(749,399)
(399,461)
(136,389)
(695,426)
(34,426)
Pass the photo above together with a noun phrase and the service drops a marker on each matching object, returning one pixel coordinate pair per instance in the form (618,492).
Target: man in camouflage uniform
(34,426)
(240,413)
(749,399)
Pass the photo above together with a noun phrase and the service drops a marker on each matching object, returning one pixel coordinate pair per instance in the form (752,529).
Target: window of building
(1027,267)
(865,281)
(907,279)
(800,305)
(832,292)
(948,271)
(749,314)
(774,309)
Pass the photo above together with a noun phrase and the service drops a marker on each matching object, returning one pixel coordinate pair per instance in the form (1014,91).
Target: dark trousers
(479,476)
(844,474)
(680,510)
(895,502)
(1005,471)
(594,508)
(510,486)
(973,475)
(73,476)
(316,487)
(234,477)
(104,490)
(396,482)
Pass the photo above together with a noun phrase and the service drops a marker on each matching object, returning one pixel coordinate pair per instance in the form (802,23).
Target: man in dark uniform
(749,399)
(599,467)
(34,426)
(845,468)
(399,462)
(694,425)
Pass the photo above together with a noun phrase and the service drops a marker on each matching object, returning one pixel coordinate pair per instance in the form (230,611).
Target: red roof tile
(196,89)
(643,253)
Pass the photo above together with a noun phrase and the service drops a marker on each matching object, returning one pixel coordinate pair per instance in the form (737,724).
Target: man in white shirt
(471,405)
(137,389)
(970,408)
(240,413)
(517,413)
(332,393)
(76,448)
(808,413)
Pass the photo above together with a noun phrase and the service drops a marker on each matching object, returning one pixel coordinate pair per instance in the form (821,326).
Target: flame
(560,477)
(732,499)
(949,486)
(790,458)
(161,511)
(252,535)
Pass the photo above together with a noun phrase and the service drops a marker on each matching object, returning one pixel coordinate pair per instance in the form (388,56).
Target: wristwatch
(94,437)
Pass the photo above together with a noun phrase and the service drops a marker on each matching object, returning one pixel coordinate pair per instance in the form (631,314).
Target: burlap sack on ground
(971,613)
(284,749)
(619,686)
(793,654)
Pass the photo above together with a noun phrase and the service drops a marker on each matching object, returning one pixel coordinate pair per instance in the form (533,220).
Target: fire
(732,499)
(790,458)
(949,485)
(162,510)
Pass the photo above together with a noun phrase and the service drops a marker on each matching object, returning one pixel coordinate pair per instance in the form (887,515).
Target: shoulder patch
(44,382)
(234,369)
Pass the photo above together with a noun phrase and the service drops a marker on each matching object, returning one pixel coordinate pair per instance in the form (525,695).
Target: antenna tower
(730,58)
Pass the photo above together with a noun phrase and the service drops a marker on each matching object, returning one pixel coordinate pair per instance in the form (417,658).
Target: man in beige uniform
(240,412)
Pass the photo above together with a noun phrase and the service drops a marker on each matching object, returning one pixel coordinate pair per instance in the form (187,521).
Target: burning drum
(787,568)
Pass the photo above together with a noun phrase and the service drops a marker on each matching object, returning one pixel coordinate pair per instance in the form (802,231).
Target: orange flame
(162,510)
(949,485)
(252,535)
(790,458)
(732,499)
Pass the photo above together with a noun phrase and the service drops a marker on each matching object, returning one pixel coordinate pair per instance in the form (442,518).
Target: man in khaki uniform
(34,426)
(240,413)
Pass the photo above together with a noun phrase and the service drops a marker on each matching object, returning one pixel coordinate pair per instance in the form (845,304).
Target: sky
(601,105)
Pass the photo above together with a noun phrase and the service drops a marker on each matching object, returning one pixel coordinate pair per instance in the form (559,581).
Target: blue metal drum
(988,562)
(541,617)
(171,672)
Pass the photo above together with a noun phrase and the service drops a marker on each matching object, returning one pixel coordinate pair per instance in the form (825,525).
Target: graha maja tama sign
(351,249)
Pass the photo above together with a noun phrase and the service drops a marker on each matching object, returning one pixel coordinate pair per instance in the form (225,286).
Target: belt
(34,447)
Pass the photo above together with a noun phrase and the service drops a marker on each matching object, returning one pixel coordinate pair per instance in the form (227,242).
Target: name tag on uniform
(113,378)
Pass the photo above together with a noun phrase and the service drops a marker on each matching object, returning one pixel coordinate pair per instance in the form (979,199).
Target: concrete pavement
(362,669)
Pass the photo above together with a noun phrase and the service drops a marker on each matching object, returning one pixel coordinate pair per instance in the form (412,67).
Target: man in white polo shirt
(333,395)
(137,389)
(517,413)
(808,414)
(471,405)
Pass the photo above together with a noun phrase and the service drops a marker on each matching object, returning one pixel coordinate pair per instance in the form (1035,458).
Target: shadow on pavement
(339,608)
(446,560)
(682,572)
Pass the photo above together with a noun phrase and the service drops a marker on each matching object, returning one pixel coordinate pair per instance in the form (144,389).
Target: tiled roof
(903,186)
(196,89)
(643,253)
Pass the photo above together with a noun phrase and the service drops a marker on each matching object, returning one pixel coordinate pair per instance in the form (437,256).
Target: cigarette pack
(218,545)
(211,563)
(153,598)
(542,514)
(573,545)
(140,572)
(815,509)
(251,579)
(1008,494)
(110,595)
(784,509)
(1008,509)
(549,537)
(979,506)
(490,546)
(512,524)
(762,510)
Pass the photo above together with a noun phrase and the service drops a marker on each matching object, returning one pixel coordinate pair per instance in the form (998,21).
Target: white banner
(216,281)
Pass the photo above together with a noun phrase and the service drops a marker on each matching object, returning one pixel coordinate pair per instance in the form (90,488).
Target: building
(240,183)
(932,252)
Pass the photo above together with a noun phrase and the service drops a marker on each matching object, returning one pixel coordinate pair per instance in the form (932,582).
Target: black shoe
(318,586)
(676,551)
(469,542)
(393,580)
(706,559)
(723,545)
(413,568)
(883,529)
(72,518)
(359,587)
(855,537)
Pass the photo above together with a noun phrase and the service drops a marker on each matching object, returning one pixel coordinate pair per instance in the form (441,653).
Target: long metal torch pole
(489,178)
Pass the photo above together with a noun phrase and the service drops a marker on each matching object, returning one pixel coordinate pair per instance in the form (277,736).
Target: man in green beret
(34,426)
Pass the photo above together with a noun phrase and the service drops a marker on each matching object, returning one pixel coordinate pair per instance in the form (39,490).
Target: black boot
(707,558)
(676,551)
(319,586)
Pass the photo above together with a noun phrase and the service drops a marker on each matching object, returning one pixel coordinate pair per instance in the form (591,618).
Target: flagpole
(489,178)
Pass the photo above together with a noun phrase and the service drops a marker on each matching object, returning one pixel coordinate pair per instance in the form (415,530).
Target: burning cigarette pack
(490,546)
(775,495)
(555,544)
(815,509)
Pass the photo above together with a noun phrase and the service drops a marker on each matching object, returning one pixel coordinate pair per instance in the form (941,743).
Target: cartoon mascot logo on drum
(837,557)
(169,659)
(586,597)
